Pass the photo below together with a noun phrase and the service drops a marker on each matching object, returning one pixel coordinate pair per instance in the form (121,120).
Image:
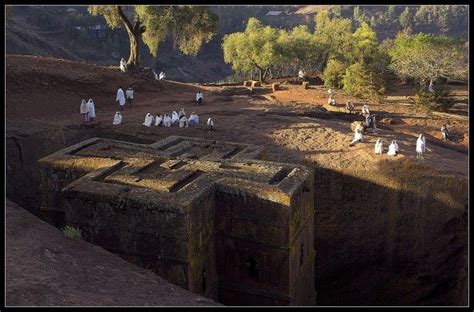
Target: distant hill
(69,32)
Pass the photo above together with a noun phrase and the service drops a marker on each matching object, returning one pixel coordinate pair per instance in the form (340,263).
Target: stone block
(222,223)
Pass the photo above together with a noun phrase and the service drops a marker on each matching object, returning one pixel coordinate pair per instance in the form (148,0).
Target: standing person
(117,118)
(84,112)
(199,98)
(420,146)
(378,147)
(444,132)
(91,109)
(210,125)
(120,99)
(123,65)
(129,94)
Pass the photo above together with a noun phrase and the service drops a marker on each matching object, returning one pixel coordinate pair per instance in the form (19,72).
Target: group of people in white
(179,119)
(87,110)
(393,148)
(124,97)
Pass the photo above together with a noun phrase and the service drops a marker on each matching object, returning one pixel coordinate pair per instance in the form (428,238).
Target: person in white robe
(430,87)
(378,147)
(210,125)
(420,146)
(358,135)
(393,148)
(301,74)
(123,65)
(91,109)
(158,120)
(148,120)
(193,119)
(445,132)
(330,93)
(199,98)
(181,113)
(129,95)
(120,99)
(167,121)
(84,112)
(155,75)
(174,117)
(183,122)
(117,118)
(162,75)
(365,110)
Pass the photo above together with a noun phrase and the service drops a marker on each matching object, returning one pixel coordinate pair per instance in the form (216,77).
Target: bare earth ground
(238,114)
(43,98)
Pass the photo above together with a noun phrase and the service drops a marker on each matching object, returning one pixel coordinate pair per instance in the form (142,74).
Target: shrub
(438,100)
(360,81)
(72,232)
(333,74)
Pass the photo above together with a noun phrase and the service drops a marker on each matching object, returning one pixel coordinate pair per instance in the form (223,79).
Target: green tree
(333,74)
(256,47)
(391,12)
(189,25)
(449,19)
(406,20)
(299,48)
(360,81)
(334,35)
(426,58)
(364,42)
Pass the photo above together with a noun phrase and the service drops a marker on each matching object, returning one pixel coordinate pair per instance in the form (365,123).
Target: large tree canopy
(256,47)
(190,26)
(427,57)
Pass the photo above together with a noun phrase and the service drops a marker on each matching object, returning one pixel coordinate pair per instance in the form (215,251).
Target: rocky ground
(46,268)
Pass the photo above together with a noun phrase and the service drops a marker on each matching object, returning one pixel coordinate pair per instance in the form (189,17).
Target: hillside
(385,227)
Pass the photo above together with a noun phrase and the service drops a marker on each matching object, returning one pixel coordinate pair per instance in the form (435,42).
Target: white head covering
(117,118)
(420,144)
(148,120)
(183,122)
(210,122)
(91,108)
(84,108)
(166,121)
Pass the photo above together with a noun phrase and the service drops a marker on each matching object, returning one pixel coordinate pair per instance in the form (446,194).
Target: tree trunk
(133,34)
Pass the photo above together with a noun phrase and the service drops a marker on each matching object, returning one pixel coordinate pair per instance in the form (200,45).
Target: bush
(333,74)
(72,232)
(438,100)
(360,81)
